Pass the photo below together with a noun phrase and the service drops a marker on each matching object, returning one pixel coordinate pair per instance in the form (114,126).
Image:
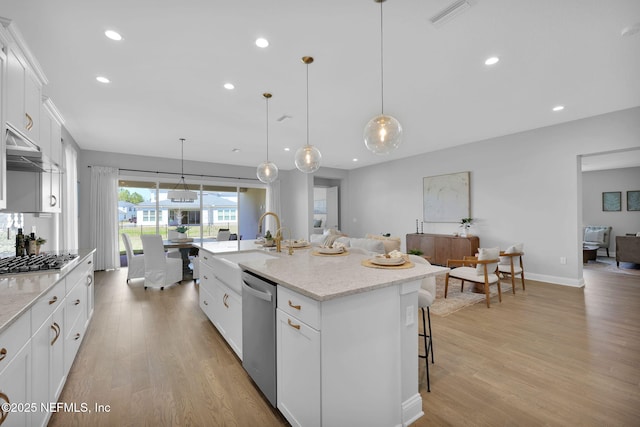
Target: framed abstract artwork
(612,201)
(446,197)
(633,200)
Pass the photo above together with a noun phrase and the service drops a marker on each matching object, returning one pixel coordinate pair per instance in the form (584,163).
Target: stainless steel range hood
(24,155)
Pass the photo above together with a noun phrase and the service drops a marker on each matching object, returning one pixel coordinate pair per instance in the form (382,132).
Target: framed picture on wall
(633,200)
(446,197)
(612,201)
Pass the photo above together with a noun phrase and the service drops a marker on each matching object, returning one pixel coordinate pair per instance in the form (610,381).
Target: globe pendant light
(383,133)
(267,171)
(184,195)
(308,157)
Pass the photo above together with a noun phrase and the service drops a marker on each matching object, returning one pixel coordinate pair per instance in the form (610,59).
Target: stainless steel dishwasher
(259,332)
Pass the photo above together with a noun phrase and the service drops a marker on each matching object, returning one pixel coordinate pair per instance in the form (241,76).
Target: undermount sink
(229,272)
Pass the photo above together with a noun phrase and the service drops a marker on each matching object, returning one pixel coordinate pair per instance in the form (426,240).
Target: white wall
(525,188)
(594,184)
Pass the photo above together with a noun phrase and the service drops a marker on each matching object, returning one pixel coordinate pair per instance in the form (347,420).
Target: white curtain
(70,199)
(104,217)
(273,205)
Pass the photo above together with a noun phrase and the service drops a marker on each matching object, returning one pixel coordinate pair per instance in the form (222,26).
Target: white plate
(297,244)
(330,250)
(387,261)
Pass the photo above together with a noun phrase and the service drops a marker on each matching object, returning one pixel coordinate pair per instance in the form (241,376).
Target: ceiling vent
(450,12)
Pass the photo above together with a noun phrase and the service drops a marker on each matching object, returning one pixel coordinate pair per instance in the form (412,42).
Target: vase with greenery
(182,229)
(465,224)
(415,252)
(39,242)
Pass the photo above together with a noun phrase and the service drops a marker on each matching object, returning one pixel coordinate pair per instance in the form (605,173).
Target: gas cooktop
(34,263)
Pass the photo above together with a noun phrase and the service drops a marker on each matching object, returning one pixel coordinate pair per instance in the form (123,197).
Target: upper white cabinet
(25,80)
(51,131)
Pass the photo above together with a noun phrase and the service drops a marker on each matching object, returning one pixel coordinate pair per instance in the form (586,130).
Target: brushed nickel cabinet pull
(53,300)
(89,262)
(224,300)
(205,277)
(89,280)
(297,307)
(77,336)
(3,353)
(53,200)
(205,302)
(29,123)
(76,302)
(293,325)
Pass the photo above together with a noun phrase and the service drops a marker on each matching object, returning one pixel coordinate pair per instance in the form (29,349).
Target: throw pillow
(484,254)
(506,260)
(330,238)
(390,243)
(317,223)
(595,236)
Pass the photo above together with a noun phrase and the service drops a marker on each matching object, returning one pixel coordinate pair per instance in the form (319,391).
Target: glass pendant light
(267,171)
(182,195)
(383,133)
(308,157)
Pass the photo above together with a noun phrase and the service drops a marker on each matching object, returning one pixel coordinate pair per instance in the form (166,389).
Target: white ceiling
(167,74)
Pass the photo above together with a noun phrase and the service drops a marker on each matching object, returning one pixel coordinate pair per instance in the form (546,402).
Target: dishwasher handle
(267,296)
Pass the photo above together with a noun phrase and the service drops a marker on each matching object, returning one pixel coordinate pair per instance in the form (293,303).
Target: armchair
(484,272)
(597,235)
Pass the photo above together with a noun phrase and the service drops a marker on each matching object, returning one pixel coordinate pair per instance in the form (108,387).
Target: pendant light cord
(307,104)
(381,62)
(267,102)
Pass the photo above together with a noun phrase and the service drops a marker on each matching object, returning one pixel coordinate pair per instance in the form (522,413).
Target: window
(226,215)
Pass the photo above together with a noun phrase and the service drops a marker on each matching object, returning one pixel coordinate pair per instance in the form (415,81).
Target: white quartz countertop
(227,246)
(18,292)
(326,277)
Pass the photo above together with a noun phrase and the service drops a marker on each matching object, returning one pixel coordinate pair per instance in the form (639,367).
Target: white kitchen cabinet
(34,192)
(221,304)
(47,363)
(15,387)
(3,149)
(349,360)
(24,85)
(51,131)
(298,370)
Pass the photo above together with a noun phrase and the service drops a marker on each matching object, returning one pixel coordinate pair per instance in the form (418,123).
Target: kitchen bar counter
(322,277)
(18,292)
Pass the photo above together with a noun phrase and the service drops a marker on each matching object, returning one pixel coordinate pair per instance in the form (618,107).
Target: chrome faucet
(278,236)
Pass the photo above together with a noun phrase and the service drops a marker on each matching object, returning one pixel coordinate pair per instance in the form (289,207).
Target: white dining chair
(426,297)
(173,253)
(159,270)
(135,263)
(223,235)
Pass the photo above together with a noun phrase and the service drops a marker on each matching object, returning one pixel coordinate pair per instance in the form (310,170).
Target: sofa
(627,249)
(371,242)
(597,235)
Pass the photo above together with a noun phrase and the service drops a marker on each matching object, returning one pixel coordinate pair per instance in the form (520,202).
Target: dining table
(186,249)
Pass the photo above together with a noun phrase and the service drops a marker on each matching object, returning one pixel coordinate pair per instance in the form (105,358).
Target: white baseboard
(556,280)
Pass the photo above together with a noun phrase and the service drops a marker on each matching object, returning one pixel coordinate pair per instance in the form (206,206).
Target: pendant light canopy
(181,193)
(267,171)
(308,157)
(383,133)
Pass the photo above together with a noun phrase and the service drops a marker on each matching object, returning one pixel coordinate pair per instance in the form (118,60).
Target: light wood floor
(551,355)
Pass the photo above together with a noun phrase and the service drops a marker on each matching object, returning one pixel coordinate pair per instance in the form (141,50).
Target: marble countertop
(18,292)
(326,277)
(227,246)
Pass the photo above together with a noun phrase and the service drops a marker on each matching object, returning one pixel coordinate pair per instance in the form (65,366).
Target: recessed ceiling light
(287,149)
(236,150)
(355,160)
(229,86)
(631,30)
(558,108)
(113,35)
(262,42)
(491,61)
(102,79)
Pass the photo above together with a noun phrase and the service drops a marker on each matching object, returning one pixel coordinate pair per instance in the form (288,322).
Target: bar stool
(426,296)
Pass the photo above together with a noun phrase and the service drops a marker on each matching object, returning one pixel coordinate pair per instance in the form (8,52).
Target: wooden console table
(441,247)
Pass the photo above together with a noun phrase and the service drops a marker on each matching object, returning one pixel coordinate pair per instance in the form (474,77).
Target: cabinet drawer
(72,341)
(13,338)
(76,303)
(207,278)
(207,302)
(205,258)
(79,273)
(299,306)
(46,305)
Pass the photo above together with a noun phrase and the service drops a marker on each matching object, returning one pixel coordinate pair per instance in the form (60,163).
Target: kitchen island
(347,338)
